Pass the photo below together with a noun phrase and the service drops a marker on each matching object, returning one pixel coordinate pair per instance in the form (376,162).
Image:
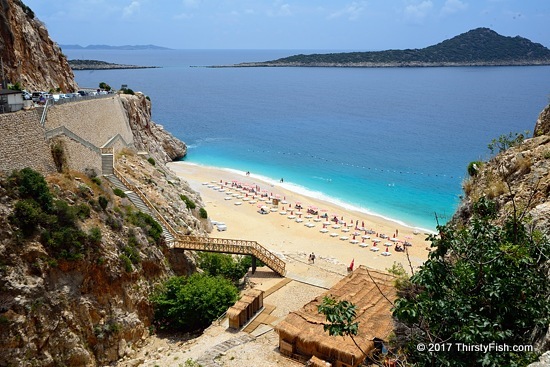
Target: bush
(202,213)
(126,263)
(224,265)
(27,216)
(192,303)
(151,160)
(94,236)
(103,202)
(474,167)
(143,220)
(127,91)
(96,180)
(32,184)
(119,192)
(190,204)
(482,284)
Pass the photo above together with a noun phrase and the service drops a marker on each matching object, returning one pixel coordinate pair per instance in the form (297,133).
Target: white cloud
(351,11)
(280,10)
(417,11)
(453,6)
(131,9)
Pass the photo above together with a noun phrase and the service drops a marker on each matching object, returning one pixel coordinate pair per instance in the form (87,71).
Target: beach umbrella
(351,265)
(363,224)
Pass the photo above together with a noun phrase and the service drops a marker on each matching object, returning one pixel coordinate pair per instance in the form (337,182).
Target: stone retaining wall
(96,121)
(23,144)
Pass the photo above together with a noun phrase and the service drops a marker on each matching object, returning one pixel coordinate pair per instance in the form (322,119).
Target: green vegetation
(224,265)
(105,86)
(483,283)
(152,229)
(151,160)
(127,91)
(478,46)
(190,204)
(473,168)
(119,192)
(103,202)
(192,303)
(202,213)
(505,142)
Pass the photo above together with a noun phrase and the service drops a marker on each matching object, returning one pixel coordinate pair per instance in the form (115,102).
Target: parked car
(36,96)
(26,95)
(82,93)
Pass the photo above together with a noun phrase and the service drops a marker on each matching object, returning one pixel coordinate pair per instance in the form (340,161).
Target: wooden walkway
(208,244)
(229,246)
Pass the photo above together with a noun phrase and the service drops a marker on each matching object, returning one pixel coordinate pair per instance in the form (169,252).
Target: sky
(287,24)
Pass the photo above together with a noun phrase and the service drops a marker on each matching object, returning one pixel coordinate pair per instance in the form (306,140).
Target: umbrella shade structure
(282,212)
(323,230)
(309,225)
(375,249)
(334,234)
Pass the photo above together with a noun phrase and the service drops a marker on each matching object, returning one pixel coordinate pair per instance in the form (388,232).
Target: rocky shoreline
(102,65)
(379,65)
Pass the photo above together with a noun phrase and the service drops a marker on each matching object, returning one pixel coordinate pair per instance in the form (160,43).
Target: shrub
(505,142)
(151,160)
(83,211)
(127,91)
(132,253)
(94,236)
(224,265)
(143,220)
(547,154)
(96,180)
(119,192)
(27,216)
(103,202)
(114,223)
(474,167)
(192,303)
(32,184)
(190,204)
(202,213)
(126,263)
(58,155)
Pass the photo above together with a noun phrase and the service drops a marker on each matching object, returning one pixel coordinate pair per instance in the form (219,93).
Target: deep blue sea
(393,142)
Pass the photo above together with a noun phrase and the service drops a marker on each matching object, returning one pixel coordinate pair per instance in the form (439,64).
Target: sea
(393,142)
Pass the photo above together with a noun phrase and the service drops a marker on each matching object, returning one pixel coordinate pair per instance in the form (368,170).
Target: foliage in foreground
(192,303)
(484,284)
(223,265)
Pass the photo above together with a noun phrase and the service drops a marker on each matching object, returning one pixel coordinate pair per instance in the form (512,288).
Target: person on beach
(282,180)
(312,258)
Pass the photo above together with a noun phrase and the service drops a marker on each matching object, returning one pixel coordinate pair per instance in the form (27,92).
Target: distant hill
(107,47)
(478,47)
(102,65)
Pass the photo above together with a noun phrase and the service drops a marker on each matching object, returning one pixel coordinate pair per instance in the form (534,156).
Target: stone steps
(207,359)
(107,164)
(136,200)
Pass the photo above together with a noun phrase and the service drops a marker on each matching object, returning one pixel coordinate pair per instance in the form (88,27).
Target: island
(478,47)
(102,65)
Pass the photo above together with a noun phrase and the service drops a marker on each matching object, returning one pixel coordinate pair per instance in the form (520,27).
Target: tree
(505,142)
(104,86)
(483,284)
(192,303)
(223,265)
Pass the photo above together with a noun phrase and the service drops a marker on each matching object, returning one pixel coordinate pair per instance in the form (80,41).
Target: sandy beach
(291,239)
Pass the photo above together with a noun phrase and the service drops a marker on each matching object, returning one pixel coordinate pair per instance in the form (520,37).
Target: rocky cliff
(70,305)
(29,55)
(518,181)
(518,176)
(149,136)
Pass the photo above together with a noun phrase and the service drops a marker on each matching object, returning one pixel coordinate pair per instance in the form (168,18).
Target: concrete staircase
(138,202)
(107,164)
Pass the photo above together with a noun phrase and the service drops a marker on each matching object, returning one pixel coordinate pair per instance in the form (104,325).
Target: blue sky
(287,24)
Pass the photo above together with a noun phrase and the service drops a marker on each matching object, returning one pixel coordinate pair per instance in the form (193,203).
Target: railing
(231,246)
(111,141)
(44,113)
(62,130)
(142,196)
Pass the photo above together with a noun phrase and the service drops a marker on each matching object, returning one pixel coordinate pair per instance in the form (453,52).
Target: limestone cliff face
(149,136)
(94,310)
(521,173)
(30,57)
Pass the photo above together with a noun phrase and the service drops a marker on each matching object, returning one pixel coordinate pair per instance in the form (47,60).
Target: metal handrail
(142,196)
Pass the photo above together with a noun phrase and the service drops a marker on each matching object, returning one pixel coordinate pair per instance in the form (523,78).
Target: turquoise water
(394,142)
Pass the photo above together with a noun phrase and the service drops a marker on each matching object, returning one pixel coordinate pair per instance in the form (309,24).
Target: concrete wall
(22,143)
(95,120)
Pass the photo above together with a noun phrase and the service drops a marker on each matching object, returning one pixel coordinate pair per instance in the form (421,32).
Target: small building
(301,333)
(245,308)
(10,100)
